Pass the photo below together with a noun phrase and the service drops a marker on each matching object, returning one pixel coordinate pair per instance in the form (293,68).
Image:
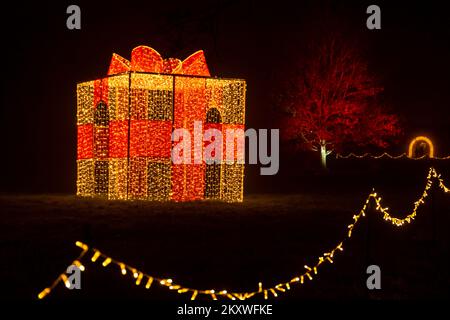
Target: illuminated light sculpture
(415,142)
(125,122)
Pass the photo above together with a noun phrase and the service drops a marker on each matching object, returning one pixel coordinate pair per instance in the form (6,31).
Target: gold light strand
(95,256)
(387,155)
(282,287)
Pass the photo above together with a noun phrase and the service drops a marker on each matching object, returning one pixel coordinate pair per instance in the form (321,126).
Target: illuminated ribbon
(146,59)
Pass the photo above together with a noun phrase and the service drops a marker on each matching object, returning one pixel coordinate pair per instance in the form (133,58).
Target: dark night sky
(43,61)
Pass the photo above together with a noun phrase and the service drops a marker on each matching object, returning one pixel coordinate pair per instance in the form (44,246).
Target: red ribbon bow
(147,59)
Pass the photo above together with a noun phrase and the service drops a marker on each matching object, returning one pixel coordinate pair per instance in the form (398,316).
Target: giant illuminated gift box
(125,122)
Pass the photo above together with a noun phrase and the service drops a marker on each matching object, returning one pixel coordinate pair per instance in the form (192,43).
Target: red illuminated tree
(332,102)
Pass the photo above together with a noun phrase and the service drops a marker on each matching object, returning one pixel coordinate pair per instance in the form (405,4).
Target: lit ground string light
(308,274)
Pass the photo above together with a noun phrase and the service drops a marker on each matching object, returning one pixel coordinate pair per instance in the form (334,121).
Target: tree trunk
(323,155)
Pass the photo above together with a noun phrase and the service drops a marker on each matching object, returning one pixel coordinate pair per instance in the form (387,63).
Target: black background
(43,60)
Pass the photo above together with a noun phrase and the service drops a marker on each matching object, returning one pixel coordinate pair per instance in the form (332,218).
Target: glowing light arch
(421,139)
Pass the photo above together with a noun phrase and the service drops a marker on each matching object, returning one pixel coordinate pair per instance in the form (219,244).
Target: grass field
(268,238)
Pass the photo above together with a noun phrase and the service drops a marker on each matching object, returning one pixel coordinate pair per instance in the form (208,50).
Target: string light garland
(387,155)
(125,122)
(409,155)
(308,274)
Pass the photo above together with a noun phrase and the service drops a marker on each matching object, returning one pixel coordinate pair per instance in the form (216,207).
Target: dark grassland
(268,238)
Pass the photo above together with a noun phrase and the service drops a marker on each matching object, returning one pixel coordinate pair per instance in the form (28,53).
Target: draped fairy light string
(368,155)
(420,141)
(308,274)
(386,155)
